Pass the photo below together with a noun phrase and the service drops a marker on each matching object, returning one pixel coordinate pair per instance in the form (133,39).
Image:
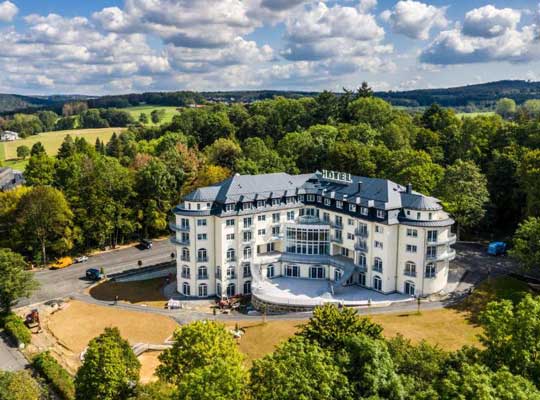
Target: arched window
(410,268)
(247,252)
(431,271)
(203,272)
(247,287)
(230,255)
(186,272)
(362,279)
(202,255)
(231,272)
(203,290)
(185,254)
(362,260)
(186,289)
(377,264)
(409,288)
(377,283)
(231,289)
(270,271)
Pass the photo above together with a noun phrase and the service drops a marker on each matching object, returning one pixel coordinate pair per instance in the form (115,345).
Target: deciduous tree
(16,281)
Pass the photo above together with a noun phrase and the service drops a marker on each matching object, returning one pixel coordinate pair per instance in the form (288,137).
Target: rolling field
(137,111)
(475,114)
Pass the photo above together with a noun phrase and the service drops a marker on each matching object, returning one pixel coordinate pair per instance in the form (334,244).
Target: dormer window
(364,211)
(352,207)
(311,197)
(326,202)
(247,205)
(301,197)
(275,202)
(339,204)
(229,207)
(319,199)
(380,214)
(261,203)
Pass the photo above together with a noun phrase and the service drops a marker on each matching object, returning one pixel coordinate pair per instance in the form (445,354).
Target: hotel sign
(336,176)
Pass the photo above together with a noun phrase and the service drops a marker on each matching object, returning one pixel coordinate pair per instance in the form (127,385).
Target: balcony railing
(202,276)
(361,246)
(337,239)
(186,275)
(361,232)
(180,241)
(231,276)
(184,258)
(247,274)
(377,268)
(231,259)
(179,228)
(202,259)
(410,273)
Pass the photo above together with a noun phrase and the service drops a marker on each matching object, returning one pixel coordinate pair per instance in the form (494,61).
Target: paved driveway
(64,282)
(10,358)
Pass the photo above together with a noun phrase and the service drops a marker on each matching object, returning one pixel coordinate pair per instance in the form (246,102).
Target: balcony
(412,274)
(180,241)
(231,259)
(202,276)
(439,242)
(178,228)
(186,275)
(184,258)
(376,268)
(361,232)
(449,255)
(337,239)
(231,276)
(247,274)
(361,246)
(337,225)
(202,259)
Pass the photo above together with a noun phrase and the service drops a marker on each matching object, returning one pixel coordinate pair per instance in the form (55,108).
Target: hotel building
(344,230)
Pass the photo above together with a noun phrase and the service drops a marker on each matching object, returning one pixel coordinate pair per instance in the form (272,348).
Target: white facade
(8,136)
(223,247)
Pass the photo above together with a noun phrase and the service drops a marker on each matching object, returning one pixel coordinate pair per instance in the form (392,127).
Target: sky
(120,46)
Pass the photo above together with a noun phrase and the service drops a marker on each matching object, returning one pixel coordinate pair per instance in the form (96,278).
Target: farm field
(138,110)
(476,114)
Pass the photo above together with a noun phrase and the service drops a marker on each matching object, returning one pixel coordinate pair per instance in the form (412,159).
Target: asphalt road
(64,282)
(10,358)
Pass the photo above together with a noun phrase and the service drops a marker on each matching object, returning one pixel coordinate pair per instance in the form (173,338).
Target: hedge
(15,327)
(59,379)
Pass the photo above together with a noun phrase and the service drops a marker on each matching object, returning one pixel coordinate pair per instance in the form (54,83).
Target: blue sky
(104,46)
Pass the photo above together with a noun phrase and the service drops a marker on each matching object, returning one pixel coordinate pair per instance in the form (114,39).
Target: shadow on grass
(132,292)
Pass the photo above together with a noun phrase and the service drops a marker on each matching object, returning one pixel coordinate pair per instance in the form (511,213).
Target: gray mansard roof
(369,192)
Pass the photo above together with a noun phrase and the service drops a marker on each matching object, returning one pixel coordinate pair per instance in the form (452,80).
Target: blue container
(496,248)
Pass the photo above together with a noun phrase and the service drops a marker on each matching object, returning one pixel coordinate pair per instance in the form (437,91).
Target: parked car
(93,274)
(63,262)
(81,259)
(497,248)
(145,244)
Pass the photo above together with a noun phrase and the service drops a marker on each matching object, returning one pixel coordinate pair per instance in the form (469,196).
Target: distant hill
(466,98)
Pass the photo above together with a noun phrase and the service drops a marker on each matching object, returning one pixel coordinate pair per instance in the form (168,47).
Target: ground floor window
(186,290)
(203,290)
(231,289)
(247,287)
(338,274)
(362,279)
(218,289)
(377,283)
(317,272)
(292,271)
(409,288)
(350,281)
(430,270)
(270,272)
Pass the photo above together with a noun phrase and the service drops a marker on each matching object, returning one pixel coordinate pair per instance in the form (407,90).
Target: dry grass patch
(149,362)
(147,292)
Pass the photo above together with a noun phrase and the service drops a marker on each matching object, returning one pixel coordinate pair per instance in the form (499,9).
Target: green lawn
(51,141)
(475,114)
(137,111)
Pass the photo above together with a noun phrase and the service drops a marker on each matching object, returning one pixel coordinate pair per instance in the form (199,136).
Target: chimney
(359,186)
(409,188)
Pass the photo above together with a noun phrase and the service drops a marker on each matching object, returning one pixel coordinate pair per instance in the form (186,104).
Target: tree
(505,107)
(463,190)
(16,281)
(19,386)
(23,152)
(157,115)
(526,244)
(48,119)
(40,170)
(364,90)
(110,369)
(298,369)
(37,149)
(371,110)
(92,119)
(67,148)
(143,118)
(529,174)
(44,221)
(532,108)
(223,152)
(329,327)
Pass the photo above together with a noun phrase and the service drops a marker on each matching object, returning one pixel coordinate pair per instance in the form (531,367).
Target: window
(362,279)
(352,207)
(202,256)
(362,230)
(186,289)
(270,271)
(377,283)
(378,245)
(231,255)
(247,287)
(412,232)
(202,236)
(247,252)
(248,205)
(364,210)
(418,215)
(229,207)
(292,271)
(202,272)
(301,197)
(229,222)
(275,231)
(261,218)
(377,264)
(218,289)
(275,202)
(362,260)
(431,272)
(344,252)
(248,222)
(276,217)
(432,236)
(203,290)
(409,288)
(326,217)
(270,247)
(339,204)
(326,202)
(431,252)
(231,289)
(338,220)
(350,236)
(231,273)
(186,272)
(379,229)
(185,254)
(201,222)
(410,268)
(319,199)
(337,274)
(350,221)
(261,232)
(430,216)
(218,272)
(247,236)
(246,269)
(408,212)
(289,200)
(290,215)
(310,197)
(230,236)
(184,223)
(198,206)
(380,214)
(338,235)
(411,248)
(261,203)
(185,237)
(317,272)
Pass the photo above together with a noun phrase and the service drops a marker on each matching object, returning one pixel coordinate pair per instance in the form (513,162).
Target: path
(10,358)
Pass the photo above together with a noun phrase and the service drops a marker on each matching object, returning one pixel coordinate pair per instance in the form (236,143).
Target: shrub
(15,327)
(60,380)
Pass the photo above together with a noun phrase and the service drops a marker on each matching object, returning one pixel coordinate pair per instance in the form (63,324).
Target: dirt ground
(147,292)
(149,363)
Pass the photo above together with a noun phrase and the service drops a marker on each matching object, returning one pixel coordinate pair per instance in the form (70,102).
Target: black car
(145,244)
(93,274)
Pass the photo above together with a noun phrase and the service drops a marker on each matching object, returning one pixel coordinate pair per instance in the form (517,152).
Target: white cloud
(489,22)
(415,19)
(8,11)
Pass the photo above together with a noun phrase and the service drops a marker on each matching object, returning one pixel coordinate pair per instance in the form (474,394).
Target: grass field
(51,141)
(137,111)
(475,114)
